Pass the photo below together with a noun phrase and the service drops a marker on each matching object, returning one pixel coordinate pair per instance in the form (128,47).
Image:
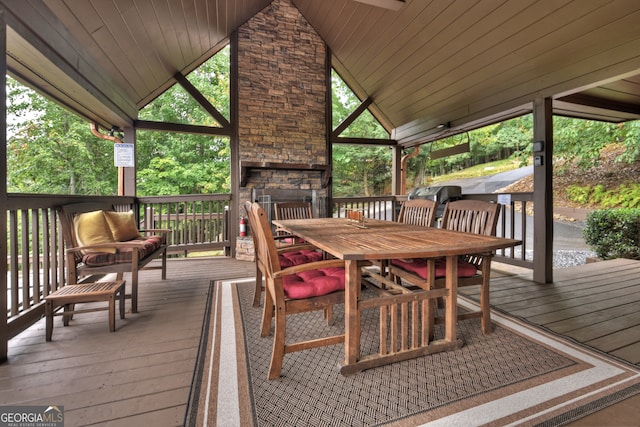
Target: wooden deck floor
(141,374)
(595,304)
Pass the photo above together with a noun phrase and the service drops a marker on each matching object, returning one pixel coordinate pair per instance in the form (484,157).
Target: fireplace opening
(267,198)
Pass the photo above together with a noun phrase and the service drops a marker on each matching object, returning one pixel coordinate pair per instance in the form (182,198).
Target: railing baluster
(13,261)
(25,255)
(46,253)
(35,256)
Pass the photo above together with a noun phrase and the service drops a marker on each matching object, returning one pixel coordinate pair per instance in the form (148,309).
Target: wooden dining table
(358,242)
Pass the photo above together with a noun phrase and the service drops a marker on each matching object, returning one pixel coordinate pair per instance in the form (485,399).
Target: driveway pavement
(567,232)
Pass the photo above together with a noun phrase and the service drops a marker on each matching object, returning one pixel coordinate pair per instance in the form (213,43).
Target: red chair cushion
(419,267)
(289,259)
(313,283)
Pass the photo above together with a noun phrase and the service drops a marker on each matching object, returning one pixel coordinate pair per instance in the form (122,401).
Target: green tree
(52,151)
(358,170)
(178,163)
(578,142)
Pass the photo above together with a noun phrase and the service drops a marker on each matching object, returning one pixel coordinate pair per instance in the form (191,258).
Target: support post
(543,190)
(234,145)
(128,175)
(4,199)
(396,170)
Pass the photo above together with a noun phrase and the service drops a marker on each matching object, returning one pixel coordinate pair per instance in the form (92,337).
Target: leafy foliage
(358,170)
(623,195)
(50,150)
(578,142)
(177,163)
(613,233)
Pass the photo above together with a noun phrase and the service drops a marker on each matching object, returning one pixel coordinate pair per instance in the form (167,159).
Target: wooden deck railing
(198,222)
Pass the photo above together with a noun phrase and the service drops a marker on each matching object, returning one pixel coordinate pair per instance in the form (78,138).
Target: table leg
(451,281)
(112,313)
(351,313)
(48,309)
(121,297)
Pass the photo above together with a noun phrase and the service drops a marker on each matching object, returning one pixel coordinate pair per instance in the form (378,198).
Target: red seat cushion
(289,259)
(313,283)
(419,267)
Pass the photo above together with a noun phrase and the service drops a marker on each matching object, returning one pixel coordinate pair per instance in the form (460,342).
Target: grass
(484,169)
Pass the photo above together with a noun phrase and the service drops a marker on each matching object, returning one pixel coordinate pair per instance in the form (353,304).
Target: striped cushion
(313,283)
(419,267)
(101,259)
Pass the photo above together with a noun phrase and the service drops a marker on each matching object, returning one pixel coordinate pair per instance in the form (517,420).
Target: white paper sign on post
(124,155)
(504,199)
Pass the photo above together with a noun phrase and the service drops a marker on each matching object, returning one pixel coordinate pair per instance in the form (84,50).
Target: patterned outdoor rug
(518,375)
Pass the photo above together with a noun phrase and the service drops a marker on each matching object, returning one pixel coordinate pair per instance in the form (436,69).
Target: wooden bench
(119,255)
(70,295)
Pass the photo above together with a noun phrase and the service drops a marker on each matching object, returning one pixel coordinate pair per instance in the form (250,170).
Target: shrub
(613,233)
(578,194)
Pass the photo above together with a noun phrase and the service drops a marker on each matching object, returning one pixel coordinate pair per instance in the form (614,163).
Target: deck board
(595,304)
(141,374)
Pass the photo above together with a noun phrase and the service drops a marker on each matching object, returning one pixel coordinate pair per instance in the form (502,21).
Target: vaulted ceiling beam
(596,102)
(364,141)
(202,100)
(181,128)
(352,117)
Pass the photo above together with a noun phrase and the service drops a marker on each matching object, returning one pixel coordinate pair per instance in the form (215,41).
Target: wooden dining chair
(288,255)
(296,289)
(291,210)
(469,216)
(420,212)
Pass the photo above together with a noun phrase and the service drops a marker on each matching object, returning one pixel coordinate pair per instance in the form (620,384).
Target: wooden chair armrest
(135,244)
(309,266)
(155,230)
(163,233)
(296,248)
(291,240)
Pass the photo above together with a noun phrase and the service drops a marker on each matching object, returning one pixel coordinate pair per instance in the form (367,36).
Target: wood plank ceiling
(423,63)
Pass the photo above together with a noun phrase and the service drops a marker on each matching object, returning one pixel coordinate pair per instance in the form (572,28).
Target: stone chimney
(282,109)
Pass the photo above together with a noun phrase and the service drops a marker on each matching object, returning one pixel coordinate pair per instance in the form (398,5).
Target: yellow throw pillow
(123,225)
(91,228)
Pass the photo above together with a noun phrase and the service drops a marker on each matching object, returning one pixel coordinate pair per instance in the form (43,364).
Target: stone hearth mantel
(246,166)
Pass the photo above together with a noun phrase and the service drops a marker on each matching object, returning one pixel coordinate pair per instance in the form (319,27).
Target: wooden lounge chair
(289,255)
(100,241)
(469,216)
(306,287)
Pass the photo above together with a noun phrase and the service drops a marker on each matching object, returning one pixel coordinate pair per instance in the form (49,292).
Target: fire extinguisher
(243,227)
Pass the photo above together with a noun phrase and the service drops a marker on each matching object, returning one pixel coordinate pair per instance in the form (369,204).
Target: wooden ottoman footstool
(69,295)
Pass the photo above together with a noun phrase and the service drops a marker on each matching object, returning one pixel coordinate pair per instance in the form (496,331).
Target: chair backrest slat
(471,216)
(293,210)
(418,212)
(266,250)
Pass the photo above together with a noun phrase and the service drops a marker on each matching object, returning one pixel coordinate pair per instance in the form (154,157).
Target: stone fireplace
(283,73)
(282,84)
